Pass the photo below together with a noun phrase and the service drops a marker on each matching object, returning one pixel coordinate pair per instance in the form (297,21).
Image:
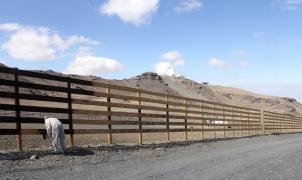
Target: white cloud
(169,60)
(289,5)
(9,26)
(83,51)
(164,68)
(63,44)
(243,64)
(217,63)
(239,53)
(173,56)
(188,5)
(137,12)
(92,65)
(38,43)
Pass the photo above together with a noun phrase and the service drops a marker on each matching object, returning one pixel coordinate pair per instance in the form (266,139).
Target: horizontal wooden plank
(117,131)
(42,87)
(165,95)
(4,119)
(81,82)
(7,70)
(8,131)
(236,110)
(143,99)
(121,131)
(130,89)
(277,122)
(119,122)
(228,119)
(283,128)
(43,109)
(7,107)
(280,120)
(116,122)
(279,115)
(7,94)
(41,75)
(32,120)
(128,106)
(33,108)
(226,129)
(7,82)
(116,113)
(144,107)
(34,97)
(39,131)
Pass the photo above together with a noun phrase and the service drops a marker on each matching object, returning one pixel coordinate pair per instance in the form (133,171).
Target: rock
(159,149)
(292,100)
(57,158)
(292,109)
(151,75)
(34,157)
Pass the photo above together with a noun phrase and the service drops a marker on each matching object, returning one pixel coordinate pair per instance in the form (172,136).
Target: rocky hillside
(186,87)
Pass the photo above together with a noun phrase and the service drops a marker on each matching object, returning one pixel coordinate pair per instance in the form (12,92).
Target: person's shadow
(14,156)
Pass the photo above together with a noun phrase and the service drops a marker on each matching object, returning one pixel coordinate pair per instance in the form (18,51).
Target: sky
(255,45)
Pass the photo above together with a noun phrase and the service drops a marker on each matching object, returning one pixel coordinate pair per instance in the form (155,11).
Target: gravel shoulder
(262,157)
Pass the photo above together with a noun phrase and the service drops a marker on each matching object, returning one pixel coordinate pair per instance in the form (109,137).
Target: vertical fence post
(255,133)
(232,114)
(262,121)
(223,113)
(214,120)
(186,120)
(292,124)
(202,121)
(295,125)
(280,127)
(17,110)
(71,142)
(140,135)
(167,119)
(273,124)
(240,114)
(286,126)
(109,115)
(248,122)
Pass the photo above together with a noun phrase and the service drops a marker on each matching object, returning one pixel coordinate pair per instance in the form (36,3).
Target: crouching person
(55,132)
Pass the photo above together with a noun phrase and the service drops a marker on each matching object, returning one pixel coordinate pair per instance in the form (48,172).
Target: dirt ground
(262,157)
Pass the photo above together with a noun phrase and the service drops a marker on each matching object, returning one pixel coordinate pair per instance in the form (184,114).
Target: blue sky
(254,45)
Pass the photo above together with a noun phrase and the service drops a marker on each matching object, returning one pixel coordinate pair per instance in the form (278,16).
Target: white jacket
(55,131)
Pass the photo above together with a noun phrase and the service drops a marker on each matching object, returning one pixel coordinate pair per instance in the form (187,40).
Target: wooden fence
(90,107)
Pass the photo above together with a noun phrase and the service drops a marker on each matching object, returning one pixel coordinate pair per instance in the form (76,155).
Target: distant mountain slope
(188,88)
(228,95)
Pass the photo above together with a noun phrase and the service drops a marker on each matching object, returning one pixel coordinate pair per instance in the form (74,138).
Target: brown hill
(228,95)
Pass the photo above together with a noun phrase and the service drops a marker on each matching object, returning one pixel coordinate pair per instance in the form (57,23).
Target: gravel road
(264,157)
